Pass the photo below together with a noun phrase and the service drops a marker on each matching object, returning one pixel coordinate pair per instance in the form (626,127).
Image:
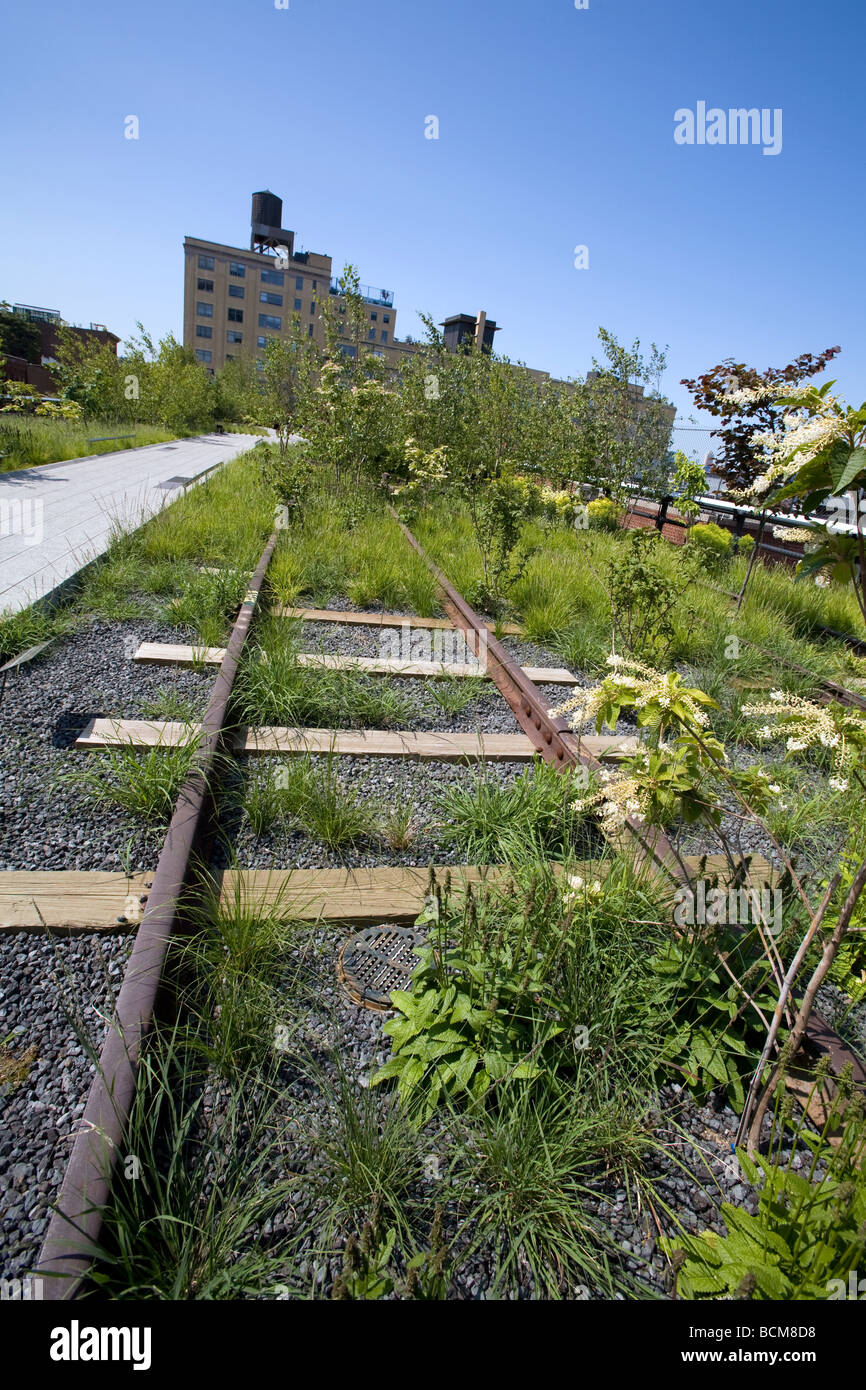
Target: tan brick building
(235,299)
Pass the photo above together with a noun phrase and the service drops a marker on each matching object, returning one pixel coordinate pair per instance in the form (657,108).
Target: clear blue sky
(556,128)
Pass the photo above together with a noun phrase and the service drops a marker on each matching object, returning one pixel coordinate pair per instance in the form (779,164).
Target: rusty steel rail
(74,1228)
(552,738)
(558,745)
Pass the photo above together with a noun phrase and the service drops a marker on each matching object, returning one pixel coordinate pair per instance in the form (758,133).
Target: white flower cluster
(749,395)
(802,439)
(578,888)
(619,798)
(792,534)
(841,730)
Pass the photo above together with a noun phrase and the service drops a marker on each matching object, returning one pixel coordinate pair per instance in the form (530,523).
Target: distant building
(236,299)
(34,366)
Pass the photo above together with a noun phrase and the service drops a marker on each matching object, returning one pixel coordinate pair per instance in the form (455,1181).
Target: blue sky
(556,129)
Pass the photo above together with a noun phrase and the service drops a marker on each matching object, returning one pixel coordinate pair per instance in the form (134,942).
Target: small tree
(743,400)
(819,456)
(689,483)
(624,421)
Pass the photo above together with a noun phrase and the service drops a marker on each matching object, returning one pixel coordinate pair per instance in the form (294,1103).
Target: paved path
(57,517)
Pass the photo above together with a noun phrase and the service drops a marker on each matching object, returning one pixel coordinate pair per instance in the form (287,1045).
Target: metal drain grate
(378,960)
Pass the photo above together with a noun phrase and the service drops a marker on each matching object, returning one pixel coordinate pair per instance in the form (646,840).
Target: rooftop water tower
(267,234)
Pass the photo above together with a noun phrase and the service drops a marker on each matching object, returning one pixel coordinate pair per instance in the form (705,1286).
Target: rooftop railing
(36,314)
(368,294)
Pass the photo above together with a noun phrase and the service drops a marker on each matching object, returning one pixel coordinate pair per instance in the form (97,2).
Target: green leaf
(393,1067)
(855,465)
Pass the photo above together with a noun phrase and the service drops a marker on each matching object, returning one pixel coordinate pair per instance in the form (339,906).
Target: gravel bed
(44,823)
(53,994)
(692,1183)
(340,604)
(385,781)
(487,713)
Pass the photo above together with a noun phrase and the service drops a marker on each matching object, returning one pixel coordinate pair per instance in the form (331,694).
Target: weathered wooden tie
(81,900)
(330,615)
(371,743)
(178,654)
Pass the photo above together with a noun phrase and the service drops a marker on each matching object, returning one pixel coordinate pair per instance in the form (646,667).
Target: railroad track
(76,901)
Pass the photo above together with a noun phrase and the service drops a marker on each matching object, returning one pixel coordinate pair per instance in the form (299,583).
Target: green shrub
(603,514)
(712,542)
(809,1231)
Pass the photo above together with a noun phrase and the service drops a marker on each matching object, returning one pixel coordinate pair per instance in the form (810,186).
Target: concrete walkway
(58,516)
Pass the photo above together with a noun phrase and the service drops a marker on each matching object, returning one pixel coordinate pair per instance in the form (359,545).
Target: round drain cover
(378,960)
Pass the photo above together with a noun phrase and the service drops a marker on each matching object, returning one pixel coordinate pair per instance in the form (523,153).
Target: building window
(268,297)
(203,330)
(384,335)
(270,321)
(313,307)
(235,268)
(204,311)
(374,317)
(299,282)
(386,318)
(260,366)
(203,354)
(236,315)
(309,330)
(261,340)
(346,349)
(205,285)
(272,277)
(371,336)
(232,336)
(297,306)
(205,262)
(230,357)
(236,291)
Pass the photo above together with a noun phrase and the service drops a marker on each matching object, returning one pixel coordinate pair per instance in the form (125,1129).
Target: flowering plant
(807,725)
(820,453)
(662,780)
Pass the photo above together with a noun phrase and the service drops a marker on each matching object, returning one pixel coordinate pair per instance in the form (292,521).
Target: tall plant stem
(753,557)
(773,1031)
(798,1032)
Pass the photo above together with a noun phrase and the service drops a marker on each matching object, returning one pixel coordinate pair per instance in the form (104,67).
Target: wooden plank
(389,894)
(138,733)
(374,743)
(177,654)
(73,901)
(174,654)
(329,615)
(343,895)
(67,901)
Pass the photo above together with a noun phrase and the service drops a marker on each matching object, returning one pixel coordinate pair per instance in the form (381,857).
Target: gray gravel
(44,823)
(53,996)
(385,782)
(690,1184)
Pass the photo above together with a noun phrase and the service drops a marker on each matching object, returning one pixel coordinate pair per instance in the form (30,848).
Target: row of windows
(270,321)
(374,318)
(235,291)
(270,277)
(204,330)
(236,268)
(205,311)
